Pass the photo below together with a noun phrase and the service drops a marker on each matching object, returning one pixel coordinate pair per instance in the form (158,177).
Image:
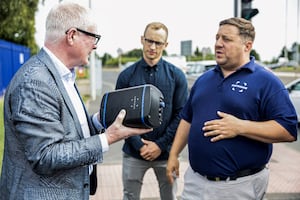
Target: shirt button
(86,185)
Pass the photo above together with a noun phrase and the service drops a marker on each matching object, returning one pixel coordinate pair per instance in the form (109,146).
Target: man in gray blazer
(51,144)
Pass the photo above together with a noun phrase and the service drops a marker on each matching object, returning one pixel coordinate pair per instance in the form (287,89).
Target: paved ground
(284,178)
(284,183)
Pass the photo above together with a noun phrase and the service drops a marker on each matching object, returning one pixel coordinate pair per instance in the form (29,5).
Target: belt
(239,174)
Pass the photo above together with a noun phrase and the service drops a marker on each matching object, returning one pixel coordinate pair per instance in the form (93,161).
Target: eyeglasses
(150,42)
(96,36)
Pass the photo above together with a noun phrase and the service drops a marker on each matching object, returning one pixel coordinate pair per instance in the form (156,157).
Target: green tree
(105,58)
(197,52)
(255,54)
(17,20)
(134,53)
(285,52)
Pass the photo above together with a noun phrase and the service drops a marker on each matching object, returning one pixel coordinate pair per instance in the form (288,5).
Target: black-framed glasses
(150,42)
(96,36)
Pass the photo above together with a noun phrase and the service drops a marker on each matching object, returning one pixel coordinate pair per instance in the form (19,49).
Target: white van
(204,65)
(178,61)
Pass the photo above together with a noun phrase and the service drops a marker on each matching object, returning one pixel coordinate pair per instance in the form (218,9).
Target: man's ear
(166,44)
(71,36)
(248,46)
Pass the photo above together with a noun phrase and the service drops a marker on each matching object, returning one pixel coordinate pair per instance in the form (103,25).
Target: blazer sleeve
(47,126)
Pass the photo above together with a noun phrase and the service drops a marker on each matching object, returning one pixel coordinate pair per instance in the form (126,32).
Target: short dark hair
(245,27)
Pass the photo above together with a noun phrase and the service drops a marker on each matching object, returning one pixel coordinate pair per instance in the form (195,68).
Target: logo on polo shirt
(239,86)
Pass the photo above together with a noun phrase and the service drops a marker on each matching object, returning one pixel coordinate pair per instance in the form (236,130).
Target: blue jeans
(133,174)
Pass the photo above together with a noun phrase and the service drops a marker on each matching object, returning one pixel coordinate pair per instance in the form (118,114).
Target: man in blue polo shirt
(233,115)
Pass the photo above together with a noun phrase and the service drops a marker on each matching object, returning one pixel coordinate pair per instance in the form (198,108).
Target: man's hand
(117,131)
(172,170)
(224,128)
(150,151)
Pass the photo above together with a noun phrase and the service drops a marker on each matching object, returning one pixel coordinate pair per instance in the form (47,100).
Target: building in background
(186,48)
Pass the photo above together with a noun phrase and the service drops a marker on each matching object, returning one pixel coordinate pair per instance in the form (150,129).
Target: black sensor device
(143,104)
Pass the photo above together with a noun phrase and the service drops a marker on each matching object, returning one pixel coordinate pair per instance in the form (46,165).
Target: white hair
(64,16)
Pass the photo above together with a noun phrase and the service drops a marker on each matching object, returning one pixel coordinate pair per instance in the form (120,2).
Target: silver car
(294,90)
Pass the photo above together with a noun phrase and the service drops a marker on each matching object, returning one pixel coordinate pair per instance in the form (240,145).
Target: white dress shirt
(68,78)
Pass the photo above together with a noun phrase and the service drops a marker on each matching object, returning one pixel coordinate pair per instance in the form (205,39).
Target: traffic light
(247,12)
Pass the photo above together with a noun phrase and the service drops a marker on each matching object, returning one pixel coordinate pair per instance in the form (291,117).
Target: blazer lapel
(44,57)
(92,130)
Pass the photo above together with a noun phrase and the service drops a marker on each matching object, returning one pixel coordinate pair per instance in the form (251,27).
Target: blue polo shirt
(251,93)
(172,82)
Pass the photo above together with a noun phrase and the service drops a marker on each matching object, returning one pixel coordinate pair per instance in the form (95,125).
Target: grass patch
(85,98)
(1,132)
(287,69)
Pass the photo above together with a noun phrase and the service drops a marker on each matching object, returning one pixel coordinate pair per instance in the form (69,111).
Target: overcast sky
(121,23)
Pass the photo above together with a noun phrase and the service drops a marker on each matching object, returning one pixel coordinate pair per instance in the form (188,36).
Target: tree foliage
(134,53)
(255,54)
(17,21)
(285,52)
(197,52)
(105,58)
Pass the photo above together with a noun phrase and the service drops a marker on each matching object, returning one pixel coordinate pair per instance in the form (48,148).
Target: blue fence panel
(12,56)
(5,65)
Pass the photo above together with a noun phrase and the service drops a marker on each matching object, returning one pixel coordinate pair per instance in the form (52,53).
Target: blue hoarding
(12,56)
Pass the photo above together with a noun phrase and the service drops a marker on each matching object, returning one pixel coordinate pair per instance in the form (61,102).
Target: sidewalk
(284,182)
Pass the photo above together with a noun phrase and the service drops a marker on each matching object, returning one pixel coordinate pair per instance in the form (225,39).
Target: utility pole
(237,8)
(92,70)
(120,52)
(285,42)
(297,41)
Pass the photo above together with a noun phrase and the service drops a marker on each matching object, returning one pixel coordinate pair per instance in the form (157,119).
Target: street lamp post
(298,44)
(120,52)
(92,70)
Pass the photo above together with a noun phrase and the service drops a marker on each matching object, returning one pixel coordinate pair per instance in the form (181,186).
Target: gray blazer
(45,155)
